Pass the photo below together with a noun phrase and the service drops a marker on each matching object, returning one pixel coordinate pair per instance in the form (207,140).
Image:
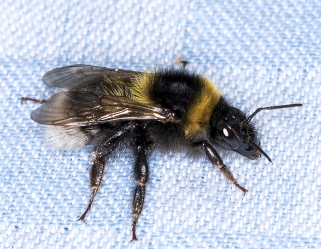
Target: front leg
(218,162)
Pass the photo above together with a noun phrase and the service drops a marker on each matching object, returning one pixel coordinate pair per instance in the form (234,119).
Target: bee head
(231,130)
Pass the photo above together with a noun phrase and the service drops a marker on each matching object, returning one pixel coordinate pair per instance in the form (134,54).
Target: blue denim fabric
(258,54)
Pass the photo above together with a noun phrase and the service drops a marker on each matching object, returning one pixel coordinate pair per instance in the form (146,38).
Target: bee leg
(184,64)
(103,153)
(141,174)
(41,101)
(179,60)
(216,159)
(96,177)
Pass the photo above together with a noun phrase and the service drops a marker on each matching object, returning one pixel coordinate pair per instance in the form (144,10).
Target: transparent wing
(80,76)
(83,108)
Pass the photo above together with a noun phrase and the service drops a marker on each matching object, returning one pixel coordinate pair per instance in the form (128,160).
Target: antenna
(247,120)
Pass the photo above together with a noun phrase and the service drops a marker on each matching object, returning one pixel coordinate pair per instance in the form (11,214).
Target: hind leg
(141,174)
(41,101)
(103,153)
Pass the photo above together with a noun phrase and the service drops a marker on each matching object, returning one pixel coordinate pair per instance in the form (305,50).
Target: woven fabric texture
(259,53)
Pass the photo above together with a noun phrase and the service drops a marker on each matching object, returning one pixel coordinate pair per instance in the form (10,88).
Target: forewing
(80,76)
(78,108)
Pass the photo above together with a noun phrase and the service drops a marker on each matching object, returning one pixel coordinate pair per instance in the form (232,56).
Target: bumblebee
(169,109)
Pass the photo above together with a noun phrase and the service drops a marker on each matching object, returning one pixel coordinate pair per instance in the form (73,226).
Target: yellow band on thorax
(201,110)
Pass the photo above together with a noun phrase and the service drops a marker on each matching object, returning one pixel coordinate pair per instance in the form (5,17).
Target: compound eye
(229,137)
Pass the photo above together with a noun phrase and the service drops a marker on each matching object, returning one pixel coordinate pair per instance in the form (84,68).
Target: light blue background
(259,53)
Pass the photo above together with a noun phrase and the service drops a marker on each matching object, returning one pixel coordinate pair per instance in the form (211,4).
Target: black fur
(176,90)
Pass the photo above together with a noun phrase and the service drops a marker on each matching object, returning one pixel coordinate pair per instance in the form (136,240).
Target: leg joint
(142,183)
